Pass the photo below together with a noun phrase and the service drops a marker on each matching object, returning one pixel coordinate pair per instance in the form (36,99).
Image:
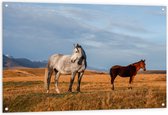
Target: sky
(110,34)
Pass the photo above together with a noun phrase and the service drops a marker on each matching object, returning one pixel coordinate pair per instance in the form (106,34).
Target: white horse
(66,64)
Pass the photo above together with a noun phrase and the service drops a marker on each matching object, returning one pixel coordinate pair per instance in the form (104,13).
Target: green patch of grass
(21,84)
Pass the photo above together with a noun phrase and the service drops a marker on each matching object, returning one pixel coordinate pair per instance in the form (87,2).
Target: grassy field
(23,91)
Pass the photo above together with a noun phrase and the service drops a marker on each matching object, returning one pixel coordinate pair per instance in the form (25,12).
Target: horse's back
(63,64)
(116,67)
(127,71)
(123,71)
(55,59)
(114,70)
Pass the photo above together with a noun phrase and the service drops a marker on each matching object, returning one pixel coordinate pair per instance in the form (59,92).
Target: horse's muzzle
(144,69)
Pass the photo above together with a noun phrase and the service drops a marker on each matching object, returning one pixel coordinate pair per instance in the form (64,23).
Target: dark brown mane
(135,63)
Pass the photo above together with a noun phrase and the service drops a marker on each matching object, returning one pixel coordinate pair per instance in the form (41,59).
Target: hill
(153,72)
(10,62)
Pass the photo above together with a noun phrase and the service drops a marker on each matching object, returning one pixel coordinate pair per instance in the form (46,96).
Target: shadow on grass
(20,84)
(56,95)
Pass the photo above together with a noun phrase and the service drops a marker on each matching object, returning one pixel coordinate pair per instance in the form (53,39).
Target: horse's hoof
(78,90)
(69,90)
(129,87)
(57,90)
(47,91)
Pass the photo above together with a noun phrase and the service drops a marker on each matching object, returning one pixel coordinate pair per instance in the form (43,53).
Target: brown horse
(126,71)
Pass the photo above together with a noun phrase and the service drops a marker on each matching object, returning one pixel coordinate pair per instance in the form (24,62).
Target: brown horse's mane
(136,65)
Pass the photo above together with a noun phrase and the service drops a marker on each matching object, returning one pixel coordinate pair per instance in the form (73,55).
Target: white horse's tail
(45,78)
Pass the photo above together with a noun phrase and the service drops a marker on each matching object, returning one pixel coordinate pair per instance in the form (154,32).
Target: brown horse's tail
(111,74)
(45,78)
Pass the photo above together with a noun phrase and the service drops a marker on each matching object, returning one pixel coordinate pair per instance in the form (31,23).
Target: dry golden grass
(23,91)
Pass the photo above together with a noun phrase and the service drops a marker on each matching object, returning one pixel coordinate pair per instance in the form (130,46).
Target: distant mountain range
(10,62)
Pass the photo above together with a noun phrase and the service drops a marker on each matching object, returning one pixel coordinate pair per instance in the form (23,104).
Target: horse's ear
(77,45)
(144,60)
(74,45)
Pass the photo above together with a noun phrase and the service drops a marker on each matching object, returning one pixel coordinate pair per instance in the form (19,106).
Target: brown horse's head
(143,65)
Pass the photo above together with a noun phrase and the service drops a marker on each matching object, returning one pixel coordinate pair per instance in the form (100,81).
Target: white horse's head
(78,53)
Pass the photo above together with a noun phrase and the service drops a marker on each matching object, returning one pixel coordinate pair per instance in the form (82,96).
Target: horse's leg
(113,76)
(57,75)
(50,71)
(71,81)
(130,82)
(112,81)
(80,74)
